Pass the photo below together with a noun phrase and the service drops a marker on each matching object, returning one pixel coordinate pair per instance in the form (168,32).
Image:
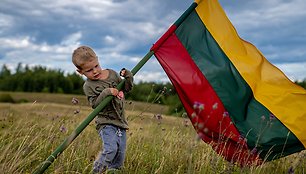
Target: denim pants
(113,150)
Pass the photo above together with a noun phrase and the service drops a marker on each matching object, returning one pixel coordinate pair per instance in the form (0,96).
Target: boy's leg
(110,147)
(119,158)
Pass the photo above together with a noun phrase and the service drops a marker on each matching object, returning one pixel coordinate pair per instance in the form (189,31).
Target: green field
(37,123)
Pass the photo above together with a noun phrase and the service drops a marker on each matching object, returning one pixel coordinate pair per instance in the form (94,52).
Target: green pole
(85,122)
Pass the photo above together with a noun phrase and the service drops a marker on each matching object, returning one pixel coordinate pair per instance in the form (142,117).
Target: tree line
(41,79)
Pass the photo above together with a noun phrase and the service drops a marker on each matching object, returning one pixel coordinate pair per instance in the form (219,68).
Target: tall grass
(30,132)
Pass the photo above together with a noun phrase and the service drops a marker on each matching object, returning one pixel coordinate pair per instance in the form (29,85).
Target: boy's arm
(128,85)
(94,99)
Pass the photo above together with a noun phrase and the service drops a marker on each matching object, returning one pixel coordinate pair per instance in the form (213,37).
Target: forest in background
(42,79)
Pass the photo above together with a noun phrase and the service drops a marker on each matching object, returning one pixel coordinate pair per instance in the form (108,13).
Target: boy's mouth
(96,76)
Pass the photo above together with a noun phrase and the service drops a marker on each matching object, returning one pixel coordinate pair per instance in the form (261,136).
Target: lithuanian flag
(238,102)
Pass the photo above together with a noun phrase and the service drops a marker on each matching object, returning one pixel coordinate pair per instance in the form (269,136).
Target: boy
(110,122)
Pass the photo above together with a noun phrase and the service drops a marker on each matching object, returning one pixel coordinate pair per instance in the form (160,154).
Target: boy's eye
(88,70)
(96,66)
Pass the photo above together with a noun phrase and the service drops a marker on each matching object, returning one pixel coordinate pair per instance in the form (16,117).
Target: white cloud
(150,76)
(25,50)
(15,43)
(294,71)
(109,39)
(73,39)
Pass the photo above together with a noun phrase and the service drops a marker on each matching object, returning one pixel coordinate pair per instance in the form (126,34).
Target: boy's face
(91,69)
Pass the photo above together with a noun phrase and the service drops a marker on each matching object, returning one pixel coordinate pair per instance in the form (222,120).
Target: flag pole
(44,165)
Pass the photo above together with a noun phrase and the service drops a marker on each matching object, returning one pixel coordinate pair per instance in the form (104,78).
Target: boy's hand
(120,95)
(122,72)
(114,91)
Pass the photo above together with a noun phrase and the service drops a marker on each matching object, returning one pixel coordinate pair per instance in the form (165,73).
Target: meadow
(31,129)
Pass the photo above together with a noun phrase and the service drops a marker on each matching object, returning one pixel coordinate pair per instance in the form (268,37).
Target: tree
(4,72)
(301,83)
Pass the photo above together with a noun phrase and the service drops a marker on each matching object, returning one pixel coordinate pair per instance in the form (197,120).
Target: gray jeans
(113,150)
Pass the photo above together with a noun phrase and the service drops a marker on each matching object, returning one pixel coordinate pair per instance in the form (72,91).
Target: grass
(22,97)
(30,132)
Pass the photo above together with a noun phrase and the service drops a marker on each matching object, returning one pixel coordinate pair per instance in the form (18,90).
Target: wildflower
(193,115)
(205,130)
(186,122)
(240,138)
(200,126)
(215,106)
(184,115)
(263,118)
(75,101)
(291,170)
(254,151)
(76,111)
(63,129)
(195,105)
(201,107)
(225,114)
(222,137)
(272,117)
(198,105)
(158,116)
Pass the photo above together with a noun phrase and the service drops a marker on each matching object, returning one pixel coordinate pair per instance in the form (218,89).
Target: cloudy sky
(44,32)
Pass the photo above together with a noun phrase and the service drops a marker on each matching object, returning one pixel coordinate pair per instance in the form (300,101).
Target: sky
(41,32)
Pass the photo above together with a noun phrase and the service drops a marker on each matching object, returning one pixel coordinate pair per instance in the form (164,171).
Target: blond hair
(81,55)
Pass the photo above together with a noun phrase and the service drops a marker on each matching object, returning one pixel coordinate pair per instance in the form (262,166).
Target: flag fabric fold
(238,102)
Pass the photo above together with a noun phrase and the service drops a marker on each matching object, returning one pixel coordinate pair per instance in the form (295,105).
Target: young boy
(110,122)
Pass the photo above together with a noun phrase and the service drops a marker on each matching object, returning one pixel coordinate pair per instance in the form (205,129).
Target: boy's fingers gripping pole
(84,124)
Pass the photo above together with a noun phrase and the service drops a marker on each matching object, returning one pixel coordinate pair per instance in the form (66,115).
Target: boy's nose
(95,69)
